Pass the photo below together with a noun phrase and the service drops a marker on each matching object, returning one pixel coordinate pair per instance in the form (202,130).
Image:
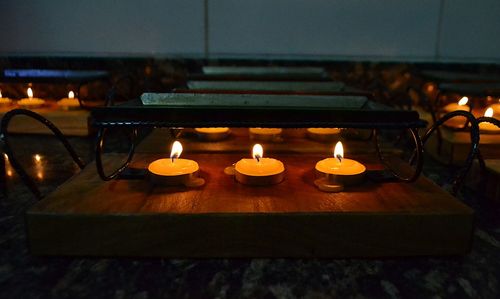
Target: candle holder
(175,171)
(254,180)
(258,171)
(157,175)
(69,103)
(334,173)
(329,182)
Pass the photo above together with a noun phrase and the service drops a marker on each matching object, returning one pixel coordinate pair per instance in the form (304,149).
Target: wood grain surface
(87,216)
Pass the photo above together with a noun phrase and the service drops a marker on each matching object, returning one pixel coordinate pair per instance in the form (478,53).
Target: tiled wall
(410,30)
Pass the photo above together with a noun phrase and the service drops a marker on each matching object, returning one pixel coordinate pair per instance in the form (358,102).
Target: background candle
(259,170)
(461,105)
(266,134)
(323,134)
(4,101)
(30,102)
(212,134)
(489,127)
(69,103)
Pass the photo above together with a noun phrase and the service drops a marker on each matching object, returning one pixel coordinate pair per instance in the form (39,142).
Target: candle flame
(30,92)
(71,95)
(6,157)
(176,151)
(0,94)
(338,152)
(489,112)
(38,158)
(463,101)
(257,152)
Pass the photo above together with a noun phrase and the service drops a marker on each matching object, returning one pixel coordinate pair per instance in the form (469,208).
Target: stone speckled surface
(22,275)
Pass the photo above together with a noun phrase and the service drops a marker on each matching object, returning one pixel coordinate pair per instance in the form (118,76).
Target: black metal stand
(474,137)
(4,136)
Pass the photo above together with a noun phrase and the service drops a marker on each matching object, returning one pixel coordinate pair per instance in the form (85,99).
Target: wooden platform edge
(230,235)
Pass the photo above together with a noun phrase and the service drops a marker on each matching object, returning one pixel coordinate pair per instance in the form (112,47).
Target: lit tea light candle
(212,134)
(4,101)
(323,134)
(259,170)
(336,172)
(174,170)
(460,105)
(30,102)
(69,103)
(266,134)
(489,127)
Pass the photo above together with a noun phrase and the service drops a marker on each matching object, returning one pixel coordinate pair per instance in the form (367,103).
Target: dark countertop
(22,275)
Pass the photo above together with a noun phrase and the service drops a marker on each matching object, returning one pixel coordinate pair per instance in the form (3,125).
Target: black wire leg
(3,174)
(417,157)
(4,136)
(474,137)
(99,150)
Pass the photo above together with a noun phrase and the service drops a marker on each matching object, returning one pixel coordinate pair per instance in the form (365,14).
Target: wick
(340,158)
(257,157)
(175,156)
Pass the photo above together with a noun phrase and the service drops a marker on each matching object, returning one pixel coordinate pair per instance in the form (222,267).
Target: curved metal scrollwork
(474,138)
(98,154)
(4,135)
(418,157)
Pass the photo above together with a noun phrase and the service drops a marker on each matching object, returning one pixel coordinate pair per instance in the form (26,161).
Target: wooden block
(70,122)
(89,217)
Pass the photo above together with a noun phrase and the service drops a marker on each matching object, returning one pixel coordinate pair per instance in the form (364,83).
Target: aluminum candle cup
(323,134)
(175,171)
(170,173)
(266,134)
(212,134)
(259,171)
(335,173)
